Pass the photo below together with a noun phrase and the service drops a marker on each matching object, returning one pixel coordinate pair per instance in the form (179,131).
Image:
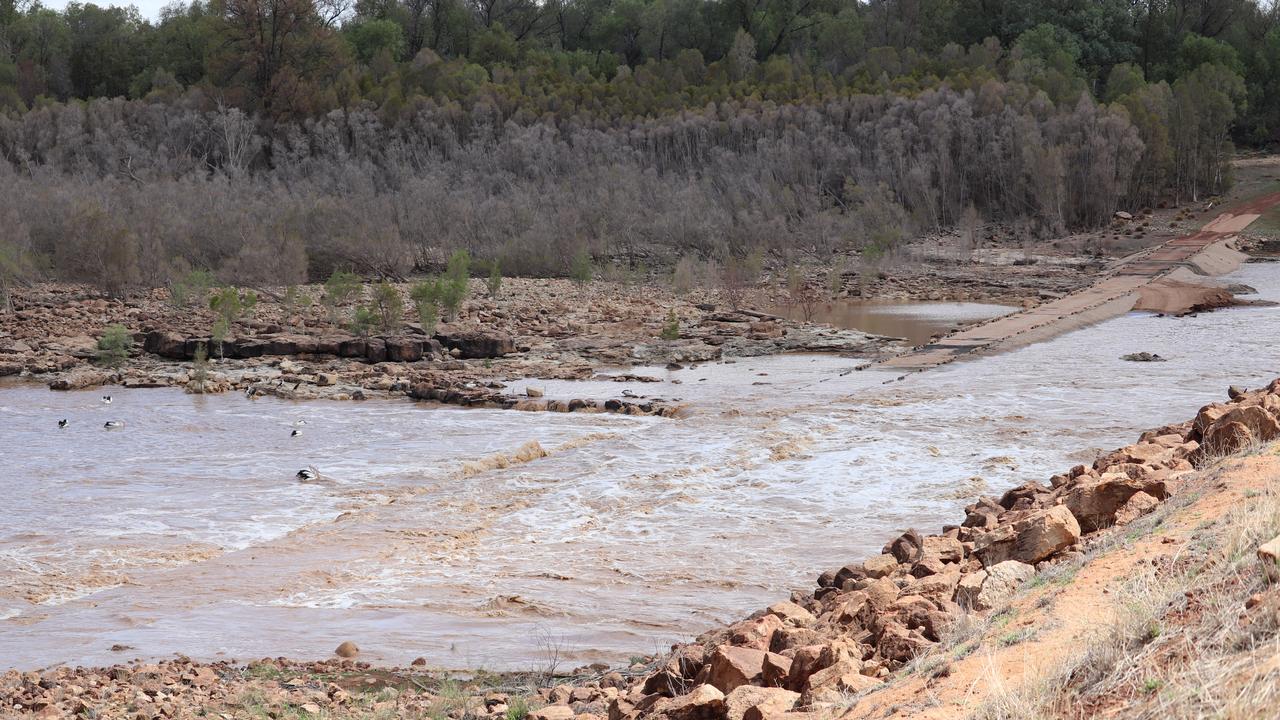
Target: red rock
(478,343)
(1094,503)
(552,712)
(767,699)
(757,633)
(1030,539)
(347,649)
(1135,507)
(791,614)
(704,702)
(880,566)
(899,644)
(730,667)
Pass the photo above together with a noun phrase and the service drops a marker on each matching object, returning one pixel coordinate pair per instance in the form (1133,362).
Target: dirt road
(1158,271)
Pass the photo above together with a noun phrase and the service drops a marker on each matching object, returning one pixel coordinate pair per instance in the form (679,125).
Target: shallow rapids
(503,539)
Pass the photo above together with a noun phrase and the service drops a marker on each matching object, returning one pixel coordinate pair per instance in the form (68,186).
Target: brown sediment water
(448,533)
(916,322)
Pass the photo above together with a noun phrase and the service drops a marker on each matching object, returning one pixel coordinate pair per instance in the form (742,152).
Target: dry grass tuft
(1180,644)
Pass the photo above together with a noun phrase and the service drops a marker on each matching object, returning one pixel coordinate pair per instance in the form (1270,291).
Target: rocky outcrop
(869,618)
(477,344)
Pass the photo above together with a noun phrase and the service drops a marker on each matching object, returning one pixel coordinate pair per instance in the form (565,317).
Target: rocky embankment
(537,329)
(799,659)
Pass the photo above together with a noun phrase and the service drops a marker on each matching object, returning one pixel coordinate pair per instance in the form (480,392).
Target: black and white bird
(299,423)
(295,433)
(62,423)
(113,424)
(106,399)
(308,473)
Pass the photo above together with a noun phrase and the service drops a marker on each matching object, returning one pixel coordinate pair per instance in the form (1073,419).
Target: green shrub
(231,304)
(446,292)
(218,335)
(580,269)
(294,300)
(338,289)
(671,329)
(426,301)
(456,276)
(388,305)
(113,346)
(517,709)
(199,369)
(191,288)
(363,320)
(495,279)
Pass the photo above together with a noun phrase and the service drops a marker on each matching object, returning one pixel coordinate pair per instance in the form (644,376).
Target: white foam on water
(646,534)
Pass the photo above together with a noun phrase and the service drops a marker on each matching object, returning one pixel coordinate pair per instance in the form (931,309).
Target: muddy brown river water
(446,533)
(917,322)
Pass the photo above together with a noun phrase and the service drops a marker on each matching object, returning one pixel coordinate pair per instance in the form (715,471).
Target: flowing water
(443,532)
(917,322)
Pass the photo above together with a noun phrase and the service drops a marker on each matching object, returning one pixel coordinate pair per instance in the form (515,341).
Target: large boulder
(166,344)
(1135,507)
(879,566)
(994,586)
(1094,502)
(352,348)
(768,699)
(80,379)
(403,349)
(375,350)
(791,614)
(289,344)
(730,667)
(832,684)
(1034,537)
(899,644)
(814,658)
(704,702)
(478,343)
(757,633)
(1223,437)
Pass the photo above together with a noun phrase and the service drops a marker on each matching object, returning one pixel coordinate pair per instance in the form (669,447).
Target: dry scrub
(1181,644)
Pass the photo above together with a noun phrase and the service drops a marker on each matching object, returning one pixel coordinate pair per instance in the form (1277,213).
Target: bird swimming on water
(113,424)
(62,423)
(106,399)
(295,433)
(299,422)
(308,473)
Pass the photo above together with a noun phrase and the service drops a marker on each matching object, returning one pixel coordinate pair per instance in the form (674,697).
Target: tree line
(276,141)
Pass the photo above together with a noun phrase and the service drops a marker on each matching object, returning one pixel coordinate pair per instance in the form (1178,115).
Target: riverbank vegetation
(274,143)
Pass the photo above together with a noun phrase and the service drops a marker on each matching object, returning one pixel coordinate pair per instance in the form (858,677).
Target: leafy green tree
(107,48)
(368,37)
(1197,50)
